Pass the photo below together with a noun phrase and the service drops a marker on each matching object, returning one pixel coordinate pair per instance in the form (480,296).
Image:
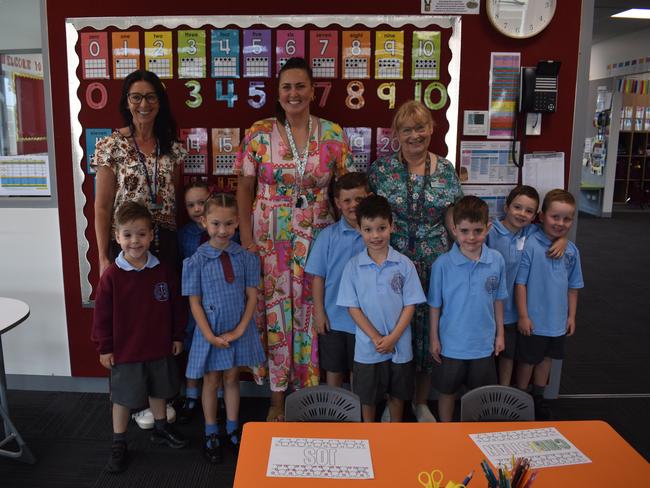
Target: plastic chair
(496,403)
(322,404)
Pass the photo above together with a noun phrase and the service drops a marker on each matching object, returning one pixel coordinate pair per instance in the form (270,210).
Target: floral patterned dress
(283,234)
(388,177)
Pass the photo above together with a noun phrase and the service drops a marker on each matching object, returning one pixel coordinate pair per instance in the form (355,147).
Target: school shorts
(533,349)
(133,383)
(510,339)
(453,373)
(373,381)
(336,350)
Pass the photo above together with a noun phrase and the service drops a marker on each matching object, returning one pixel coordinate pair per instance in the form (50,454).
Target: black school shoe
(119,457)
(234,439)
(168,435)
(542,409)
(212,450)
(186,410)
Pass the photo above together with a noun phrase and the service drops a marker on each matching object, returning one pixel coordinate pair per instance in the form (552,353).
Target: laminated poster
(225,53)
(289,44)
(504,94)
(323,53)
(158,56)
(257,53)
(195,141)
(94,55)
(359,140)
(225,141)
(191,54)
(356,55)
(126,53)
(389,55)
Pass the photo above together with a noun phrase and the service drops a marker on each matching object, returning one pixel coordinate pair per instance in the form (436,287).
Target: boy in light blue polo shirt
(381,287)
(546,294)
(329,254)
(466,294)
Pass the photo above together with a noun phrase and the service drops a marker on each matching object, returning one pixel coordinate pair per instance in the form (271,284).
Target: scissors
(431,480)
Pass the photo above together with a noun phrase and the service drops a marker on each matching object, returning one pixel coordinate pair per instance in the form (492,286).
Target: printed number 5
(256,89)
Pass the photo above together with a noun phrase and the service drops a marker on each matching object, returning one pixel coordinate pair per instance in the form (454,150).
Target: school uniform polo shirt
(333,248)
(381,292)
(547,283)
(511,247)
(465,290)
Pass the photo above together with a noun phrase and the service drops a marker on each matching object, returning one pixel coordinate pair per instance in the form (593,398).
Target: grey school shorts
(133,383)
(336,351)
(453,373)
(510,339)
(533,349)
(373,381)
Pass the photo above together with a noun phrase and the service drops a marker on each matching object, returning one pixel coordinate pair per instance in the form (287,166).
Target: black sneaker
(212,450)
(186,410)
(542,409)
(168,435)
(118,459)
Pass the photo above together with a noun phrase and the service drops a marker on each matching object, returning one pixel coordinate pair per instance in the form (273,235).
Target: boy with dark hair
(138,325)
(381,287)
(466,294)
(546,293)
(329,254)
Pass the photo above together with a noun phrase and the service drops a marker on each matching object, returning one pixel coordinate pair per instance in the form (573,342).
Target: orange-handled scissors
(431,480)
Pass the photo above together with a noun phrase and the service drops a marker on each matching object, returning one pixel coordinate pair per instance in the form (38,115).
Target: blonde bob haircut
(411,110)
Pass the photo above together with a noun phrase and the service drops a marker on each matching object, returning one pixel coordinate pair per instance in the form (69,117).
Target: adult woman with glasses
(140,161)
(285,165)
(421,187)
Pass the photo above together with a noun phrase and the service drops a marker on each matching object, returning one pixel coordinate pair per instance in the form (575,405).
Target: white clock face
(520,18)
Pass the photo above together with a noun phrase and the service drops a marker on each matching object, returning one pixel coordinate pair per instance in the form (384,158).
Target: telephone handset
(539,87)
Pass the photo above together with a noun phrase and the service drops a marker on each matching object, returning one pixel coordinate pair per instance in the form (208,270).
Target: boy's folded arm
(364,324)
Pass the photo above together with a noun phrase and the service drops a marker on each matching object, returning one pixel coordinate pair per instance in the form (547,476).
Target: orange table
(400,451)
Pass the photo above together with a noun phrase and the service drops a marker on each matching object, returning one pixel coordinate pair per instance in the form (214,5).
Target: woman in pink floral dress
(285,165)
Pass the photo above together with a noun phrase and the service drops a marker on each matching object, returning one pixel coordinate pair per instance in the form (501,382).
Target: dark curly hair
(164,125)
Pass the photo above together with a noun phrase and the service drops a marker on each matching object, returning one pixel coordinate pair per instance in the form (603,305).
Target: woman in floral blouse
(285,165)
(140,162)
(421,187)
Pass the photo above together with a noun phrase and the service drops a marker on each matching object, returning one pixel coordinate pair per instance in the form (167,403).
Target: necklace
(301,162)
(416,208)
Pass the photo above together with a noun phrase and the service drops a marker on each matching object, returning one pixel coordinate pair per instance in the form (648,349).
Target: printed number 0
(355,100)
(195,94)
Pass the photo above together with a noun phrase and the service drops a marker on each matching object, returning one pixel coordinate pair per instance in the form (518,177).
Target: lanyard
(415,210)
(153,186)
(301,162)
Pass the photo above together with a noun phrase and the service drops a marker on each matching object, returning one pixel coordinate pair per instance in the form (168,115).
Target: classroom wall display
(221,75)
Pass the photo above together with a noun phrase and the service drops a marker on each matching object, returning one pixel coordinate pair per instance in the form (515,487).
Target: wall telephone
(539,87)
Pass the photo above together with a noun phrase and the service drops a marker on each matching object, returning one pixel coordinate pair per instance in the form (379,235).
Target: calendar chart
(225,53)
(323,53)
(356,54)
(257,53)
(94,55)
(158,53)
(126,54)
(191,54)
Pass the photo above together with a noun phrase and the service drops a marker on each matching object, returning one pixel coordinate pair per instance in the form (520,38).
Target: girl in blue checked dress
(221,280)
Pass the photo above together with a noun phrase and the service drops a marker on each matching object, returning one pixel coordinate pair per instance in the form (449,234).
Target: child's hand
(434,349)
(229,337)
(177,347)
(499,345)
(556,251)
(386,344)
(218,341)
(321,322)
(106,360)
(570,326)
(525,326)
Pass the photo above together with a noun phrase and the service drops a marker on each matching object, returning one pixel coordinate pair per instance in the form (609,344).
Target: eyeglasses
(418,129)
(136,98)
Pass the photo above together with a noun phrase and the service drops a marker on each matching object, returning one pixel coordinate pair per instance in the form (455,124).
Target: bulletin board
(221,75)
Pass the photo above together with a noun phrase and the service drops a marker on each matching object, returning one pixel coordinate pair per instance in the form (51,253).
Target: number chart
(126,53)
(257,53)
(195,141)
(191,54)
(289,44)
(356,54)
(225,53)
(94,55)
(158,53)
(225,142)
(389,55)
(359,140)
(323,53)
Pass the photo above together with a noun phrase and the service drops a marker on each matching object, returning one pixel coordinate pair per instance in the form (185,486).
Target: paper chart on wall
(295,457)
(24,176)
(504,93)
(545,448)
(543,171)
(494,195)
(488,162)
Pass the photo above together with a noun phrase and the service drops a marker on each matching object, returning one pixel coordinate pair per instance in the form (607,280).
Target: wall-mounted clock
(520,18)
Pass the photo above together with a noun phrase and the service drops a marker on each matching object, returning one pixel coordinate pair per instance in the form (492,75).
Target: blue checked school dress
(224,304)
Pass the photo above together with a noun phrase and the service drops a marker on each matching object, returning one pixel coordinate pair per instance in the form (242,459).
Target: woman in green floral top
(421,187)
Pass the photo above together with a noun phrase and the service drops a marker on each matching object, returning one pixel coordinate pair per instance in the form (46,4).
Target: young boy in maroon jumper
(138,325)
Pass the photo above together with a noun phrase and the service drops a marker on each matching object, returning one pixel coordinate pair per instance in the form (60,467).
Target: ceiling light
(634,13)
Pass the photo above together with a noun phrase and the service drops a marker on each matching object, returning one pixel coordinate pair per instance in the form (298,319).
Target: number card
(389,55)
(257,53)
(356,54)
(126,54)
(196,143)
(323,53)
(94,55)
(289,44)
(92,136)
(158,56)
(191,54)
(359,139)
(225,53)
(425,55)
(386,143)
(225,142)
